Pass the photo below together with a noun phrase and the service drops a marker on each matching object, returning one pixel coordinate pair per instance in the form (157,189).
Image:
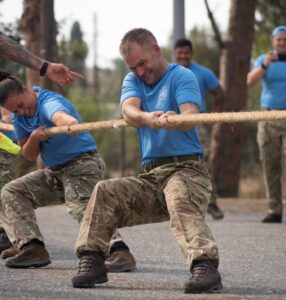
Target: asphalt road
(253,261)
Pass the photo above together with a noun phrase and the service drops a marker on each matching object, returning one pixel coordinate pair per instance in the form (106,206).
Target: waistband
(169,160)
(61,166)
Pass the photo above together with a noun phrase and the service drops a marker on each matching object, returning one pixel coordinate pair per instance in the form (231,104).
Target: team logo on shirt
(162,94)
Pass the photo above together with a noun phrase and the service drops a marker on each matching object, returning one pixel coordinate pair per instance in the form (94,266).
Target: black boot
(215,211)
(91,270)
(272,218)
(4,241)
(205,278)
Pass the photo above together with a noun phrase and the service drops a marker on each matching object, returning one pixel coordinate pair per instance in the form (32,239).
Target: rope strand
(195,119)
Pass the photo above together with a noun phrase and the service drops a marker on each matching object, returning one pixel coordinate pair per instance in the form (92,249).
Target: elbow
(130,121)
(29,156)
(249,82)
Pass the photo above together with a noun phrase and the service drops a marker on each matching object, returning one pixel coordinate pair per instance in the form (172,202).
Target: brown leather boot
(205,278)
(12,251)
(120,260)
(32,254)
(91,270)
(4,241)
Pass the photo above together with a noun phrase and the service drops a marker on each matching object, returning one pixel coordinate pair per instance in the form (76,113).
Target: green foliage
(207,54)
(108,140)
(269,15)
(205,48)
(74,51)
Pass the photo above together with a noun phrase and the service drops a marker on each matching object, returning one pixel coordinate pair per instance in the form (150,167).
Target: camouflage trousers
(178,192)
(205,139)
(7,174)
(71,184)
(271,138)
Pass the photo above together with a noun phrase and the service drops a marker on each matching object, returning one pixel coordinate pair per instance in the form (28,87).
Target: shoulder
(179,72)
(130,80)
(259,59)
(202,69)
(48,97)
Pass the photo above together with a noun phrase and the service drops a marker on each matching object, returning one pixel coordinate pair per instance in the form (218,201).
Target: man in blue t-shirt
(208,82)
(270,69)
(73,168)
(176,184)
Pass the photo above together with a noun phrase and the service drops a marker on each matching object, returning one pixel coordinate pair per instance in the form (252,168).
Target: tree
(78,50)
(31,27)
(226,144)
(49,49)
(39,31)
(73,51)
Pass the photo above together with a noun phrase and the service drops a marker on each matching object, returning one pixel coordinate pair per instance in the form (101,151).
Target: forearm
(190,110)
(219,102)
(31,149)
(60,118)
(255,76)
(132,114)
(133,117)
(17,53)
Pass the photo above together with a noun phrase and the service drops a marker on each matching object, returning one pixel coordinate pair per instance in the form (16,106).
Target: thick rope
(226,117)
(229,117)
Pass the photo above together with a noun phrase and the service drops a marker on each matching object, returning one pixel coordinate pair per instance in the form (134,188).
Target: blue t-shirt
(59,148)
(178,86)
(273,95)
(208,81)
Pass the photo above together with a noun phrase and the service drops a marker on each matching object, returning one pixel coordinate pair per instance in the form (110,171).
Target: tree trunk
(49,49)
(31,26)
(226,144)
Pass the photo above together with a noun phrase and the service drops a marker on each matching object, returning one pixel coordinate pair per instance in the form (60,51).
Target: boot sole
(27,265)
(213,289)
(81,284)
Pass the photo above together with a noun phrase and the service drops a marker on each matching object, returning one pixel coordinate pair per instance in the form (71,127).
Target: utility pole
(178,21)
(95,58)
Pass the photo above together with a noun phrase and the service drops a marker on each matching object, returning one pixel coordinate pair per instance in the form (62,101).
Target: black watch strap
(44,68)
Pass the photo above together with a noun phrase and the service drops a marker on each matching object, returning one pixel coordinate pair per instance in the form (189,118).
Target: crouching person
(73,167)
(176,184)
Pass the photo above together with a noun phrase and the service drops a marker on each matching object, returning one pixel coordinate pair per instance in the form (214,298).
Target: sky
(115,17)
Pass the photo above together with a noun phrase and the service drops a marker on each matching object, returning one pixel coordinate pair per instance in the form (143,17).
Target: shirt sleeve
(259,61)
(52,105)
(211,80)
(130,88)
(187,88)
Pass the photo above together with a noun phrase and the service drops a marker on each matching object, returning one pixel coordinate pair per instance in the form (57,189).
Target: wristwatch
(44,68)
